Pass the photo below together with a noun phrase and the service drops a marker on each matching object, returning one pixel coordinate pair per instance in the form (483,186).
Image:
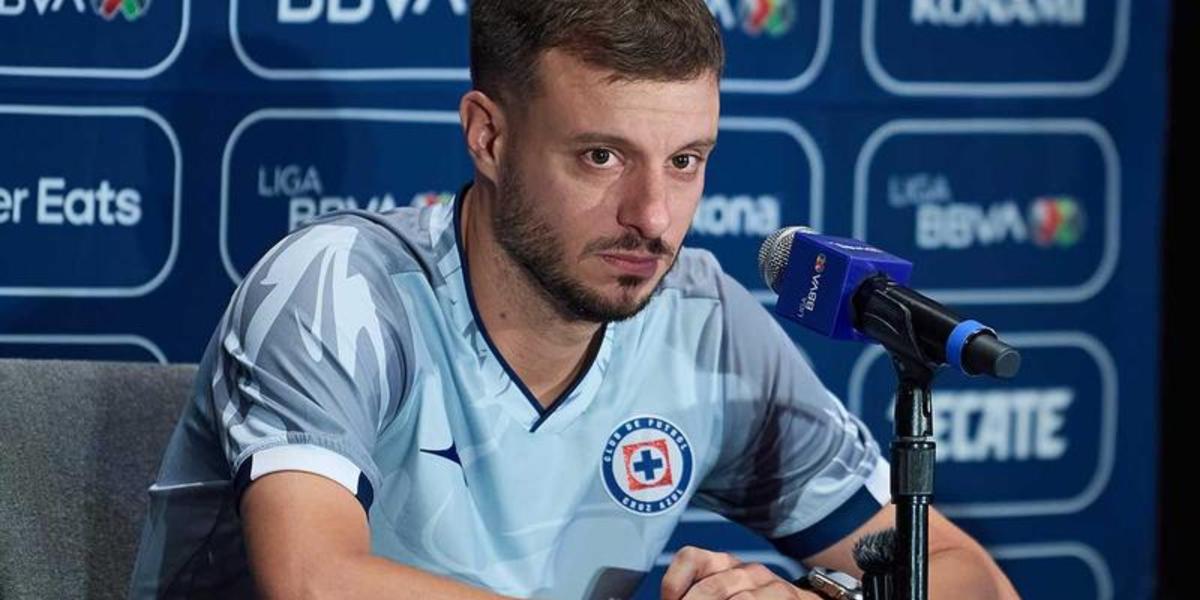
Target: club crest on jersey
(647,465)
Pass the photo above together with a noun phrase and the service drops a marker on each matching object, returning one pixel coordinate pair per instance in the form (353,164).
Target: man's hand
(698,574)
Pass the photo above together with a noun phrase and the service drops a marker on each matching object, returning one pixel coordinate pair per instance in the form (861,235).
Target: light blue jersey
(353,350)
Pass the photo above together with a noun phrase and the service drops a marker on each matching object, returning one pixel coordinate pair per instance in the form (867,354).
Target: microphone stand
(913,456)
(913,448)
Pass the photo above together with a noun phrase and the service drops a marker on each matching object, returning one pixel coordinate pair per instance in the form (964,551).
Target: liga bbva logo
(434,40)
(131,10)
(284,168)
(1042,446)
(299,193)
(300,187)
(945,195)
(756,17)
(123,39)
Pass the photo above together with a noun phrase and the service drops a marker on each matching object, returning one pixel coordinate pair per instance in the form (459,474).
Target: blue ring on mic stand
(958,341)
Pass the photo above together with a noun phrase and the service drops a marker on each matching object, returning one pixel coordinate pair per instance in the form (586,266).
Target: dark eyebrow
(701,144)
(592,137)
(615,140)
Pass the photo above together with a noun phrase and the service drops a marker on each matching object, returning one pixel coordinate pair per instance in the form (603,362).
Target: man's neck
(545,348)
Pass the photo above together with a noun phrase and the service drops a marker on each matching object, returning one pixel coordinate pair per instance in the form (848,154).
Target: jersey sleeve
(794,464)
(311,360)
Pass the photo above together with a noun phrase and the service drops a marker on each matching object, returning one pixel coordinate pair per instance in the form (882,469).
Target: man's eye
(687,162)
(599,156)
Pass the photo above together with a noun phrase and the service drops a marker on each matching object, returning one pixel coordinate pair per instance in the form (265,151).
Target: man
(517,394)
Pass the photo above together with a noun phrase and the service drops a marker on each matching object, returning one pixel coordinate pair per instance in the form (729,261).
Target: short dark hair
(651,40)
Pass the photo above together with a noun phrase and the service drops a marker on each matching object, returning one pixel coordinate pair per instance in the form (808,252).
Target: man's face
(599,183)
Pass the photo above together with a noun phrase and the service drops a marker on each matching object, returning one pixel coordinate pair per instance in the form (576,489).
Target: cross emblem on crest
(647,465)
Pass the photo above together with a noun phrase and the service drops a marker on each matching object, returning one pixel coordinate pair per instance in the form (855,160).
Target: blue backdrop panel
(151,151)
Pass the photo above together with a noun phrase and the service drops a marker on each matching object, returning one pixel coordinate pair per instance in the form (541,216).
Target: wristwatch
(823,585)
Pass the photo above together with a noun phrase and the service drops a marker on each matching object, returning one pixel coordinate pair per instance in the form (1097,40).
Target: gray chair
(79,444)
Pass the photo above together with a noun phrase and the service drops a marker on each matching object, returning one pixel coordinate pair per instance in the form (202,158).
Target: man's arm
(799,469)
(307,537)
(958,567)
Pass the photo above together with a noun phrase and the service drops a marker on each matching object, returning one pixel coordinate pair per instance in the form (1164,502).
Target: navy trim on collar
(543,413)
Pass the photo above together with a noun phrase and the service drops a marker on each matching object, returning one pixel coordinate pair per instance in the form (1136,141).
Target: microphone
(850,290)
(875,554)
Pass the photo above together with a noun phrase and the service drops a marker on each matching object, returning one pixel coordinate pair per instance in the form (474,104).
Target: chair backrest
(80,442)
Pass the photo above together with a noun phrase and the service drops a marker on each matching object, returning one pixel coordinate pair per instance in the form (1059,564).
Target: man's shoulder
(402,238)
(353,263)
(368,243)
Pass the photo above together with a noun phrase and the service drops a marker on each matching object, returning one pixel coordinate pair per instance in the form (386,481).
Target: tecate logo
(1020,425)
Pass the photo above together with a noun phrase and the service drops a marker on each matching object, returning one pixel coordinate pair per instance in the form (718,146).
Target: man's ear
(486,130)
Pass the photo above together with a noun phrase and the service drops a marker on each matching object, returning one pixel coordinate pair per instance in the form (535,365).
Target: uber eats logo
(55,201)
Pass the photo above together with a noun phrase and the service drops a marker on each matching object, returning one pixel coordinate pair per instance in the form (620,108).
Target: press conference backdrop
(151,151)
